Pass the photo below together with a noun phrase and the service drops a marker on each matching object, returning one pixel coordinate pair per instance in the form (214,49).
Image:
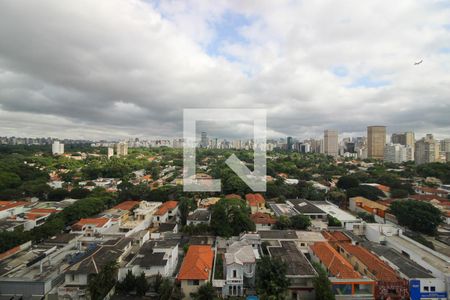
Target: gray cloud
(115,68)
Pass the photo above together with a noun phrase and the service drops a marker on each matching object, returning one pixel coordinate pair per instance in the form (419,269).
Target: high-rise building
(289,143)
(396,153)
(204,140)
(406,139)
(330,142)
(57,148)
(376,141)
(427,150)
(110,152)
(122,149)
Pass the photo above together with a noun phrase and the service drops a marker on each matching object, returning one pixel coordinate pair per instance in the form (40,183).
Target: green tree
(57,195)
(100,284)
(271,281)
(417,215)
(332,221)
(322,285)
(231,217)
(300,222)
(142,285)
(127,285)
(205,292)
(399,193)
(283,222)
(347,182)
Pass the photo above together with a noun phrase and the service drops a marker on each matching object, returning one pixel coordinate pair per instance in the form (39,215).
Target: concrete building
(239,268)
(199,216)
(436,263)
(155,257)
(397,153)
(110,152)
(426,150)
(389,285)
(405,139)
(330,142)
(346,282)
(167,211)
(422,284)
(376,141)
(300,272)
(204,142)
(122,149)
(57,148)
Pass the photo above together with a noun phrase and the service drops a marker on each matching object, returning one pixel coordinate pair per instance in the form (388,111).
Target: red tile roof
(4,205)
(165,207)
(197,263)
(98,222)
(255,199)
(374,264)
(336,236)
(427,198)
(333,261)
(431,190)
(233,196)
(261,218)
(127,205)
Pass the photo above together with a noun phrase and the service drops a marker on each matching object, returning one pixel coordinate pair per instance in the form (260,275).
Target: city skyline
(101,75)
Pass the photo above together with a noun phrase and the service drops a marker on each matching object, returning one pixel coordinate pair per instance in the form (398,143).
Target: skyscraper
(405,139)
(57,148)
(330,142)
(397,153)
(290,143)
(204,140)
(376,141)
(110,152)
(122,149)
(426,150)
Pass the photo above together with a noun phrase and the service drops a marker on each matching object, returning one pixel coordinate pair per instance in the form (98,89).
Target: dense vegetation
(417,215)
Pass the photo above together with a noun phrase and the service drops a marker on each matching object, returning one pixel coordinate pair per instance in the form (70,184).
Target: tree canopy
(417,215)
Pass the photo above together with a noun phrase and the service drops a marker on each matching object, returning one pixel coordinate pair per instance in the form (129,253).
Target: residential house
(196,269)
(91,226)
(256,202)
(422,283)
(239,268)
(76,279)
(388,285)
(361,204)
(263,221)
(155,257)
(346,282)
(199,216)
(165,212)
(300,272)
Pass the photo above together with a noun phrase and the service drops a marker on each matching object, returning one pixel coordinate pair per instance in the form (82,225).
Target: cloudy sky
(115,69)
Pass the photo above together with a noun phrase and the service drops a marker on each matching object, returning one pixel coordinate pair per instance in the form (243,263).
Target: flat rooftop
(26,265)
(278,234)
(336,212)
(297,263)
(434,260)
(404,264)
(282,209)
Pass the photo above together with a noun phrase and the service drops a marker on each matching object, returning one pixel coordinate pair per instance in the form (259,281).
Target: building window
(194,282)
(234,274)
(426,289)
(230,290)
(432,289)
